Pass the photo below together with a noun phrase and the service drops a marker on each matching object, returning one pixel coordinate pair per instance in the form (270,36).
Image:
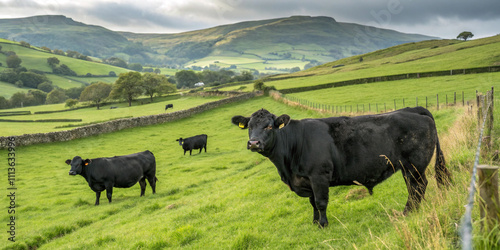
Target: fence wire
(466,224)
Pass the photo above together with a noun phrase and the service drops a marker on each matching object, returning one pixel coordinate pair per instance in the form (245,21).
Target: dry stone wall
(116,125)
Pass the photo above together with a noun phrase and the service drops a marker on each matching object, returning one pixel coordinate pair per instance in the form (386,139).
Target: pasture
(91,115)
(225,198)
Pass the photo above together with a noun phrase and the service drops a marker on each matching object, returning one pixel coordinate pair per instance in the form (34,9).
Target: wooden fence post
(437,101)
(489,203)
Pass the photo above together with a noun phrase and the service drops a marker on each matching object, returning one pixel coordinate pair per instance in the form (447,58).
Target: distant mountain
(262,45)
(60,32)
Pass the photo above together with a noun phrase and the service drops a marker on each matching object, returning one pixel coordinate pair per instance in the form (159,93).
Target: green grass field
(92,115)
(225,198)
(230,198)
(412,90)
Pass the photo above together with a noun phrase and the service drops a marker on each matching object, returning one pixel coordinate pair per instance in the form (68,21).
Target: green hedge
(11,113)
(42,120)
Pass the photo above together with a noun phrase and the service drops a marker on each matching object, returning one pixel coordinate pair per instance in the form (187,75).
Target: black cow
(314,154)
(119,171)
(195,142)
(169,106)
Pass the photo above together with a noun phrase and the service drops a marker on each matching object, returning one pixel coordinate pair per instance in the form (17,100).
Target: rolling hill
(266,45)
(34,58)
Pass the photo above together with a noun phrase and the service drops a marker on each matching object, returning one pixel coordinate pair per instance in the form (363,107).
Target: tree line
(127,87)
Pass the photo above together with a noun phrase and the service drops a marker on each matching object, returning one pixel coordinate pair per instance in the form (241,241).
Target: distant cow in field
(314,154)
(113,107)
(169,106)
(195,142)
(119,171)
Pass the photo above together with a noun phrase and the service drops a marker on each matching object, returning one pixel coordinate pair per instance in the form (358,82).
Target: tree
(70,103)
(56,96)
(258,85)
(75,92)
(116,62)
(465,35)
(156,84)
(4,103)
(13,61)
(39,97)
(186,78)
(135,66)
(45,87)
(18,100)
(294,69)
(96,93)
(52,61)
(127,86)
(32,79)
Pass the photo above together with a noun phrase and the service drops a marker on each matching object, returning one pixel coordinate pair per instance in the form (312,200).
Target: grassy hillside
(35,58)
(225,198)
(417,57)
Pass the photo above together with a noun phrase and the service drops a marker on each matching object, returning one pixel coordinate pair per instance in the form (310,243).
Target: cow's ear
(240,121)
(86,162)
(282,121)
(68,161)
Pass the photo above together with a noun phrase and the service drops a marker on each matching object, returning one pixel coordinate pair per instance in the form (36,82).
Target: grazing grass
(409,89)
(225,198)
(92,115)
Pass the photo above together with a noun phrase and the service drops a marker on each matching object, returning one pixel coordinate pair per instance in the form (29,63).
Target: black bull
(313,154)
(119,171)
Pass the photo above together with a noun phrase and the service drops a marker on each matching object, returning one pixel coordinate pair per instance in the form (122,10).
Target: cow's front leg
(320,190)
(97,196)
(316,212)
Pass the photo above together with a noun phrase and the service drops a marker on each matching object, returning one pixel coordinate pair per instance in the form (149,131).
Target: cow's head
(180,140)
(261,128)
(77,165)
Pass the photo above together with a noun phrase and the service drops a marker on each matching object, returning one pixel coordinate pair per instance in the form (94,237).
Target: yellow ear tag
(86,163)
(241,125)
(282,125)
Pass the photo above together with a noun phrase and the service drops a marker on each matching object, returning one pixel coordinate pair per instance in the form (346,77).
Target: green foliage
(135,66)
(32,79)
(53,61)
(156,84)
(186,78)
(63,69)
(115,61)
(96,93)
(56,96)
(465,35)
(70,103)
(13,61)
(45,87)
(128,87)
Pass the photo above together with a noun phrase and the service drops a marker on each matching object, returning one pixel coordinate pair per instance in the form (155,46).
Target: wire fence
(437,101)
(466,223)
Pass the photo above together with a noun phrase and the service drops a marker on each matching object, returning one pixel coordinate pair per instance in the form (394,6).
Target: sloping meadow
(225,198)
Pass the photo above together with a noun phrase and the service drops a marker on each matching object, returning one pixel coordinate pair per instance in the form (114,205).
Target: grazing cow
(314,154)
(119,171)
(169,106)
(195,142)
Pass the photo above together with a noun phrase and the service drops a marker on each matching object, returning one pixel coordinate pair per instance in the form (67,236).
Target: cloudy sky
(441,18)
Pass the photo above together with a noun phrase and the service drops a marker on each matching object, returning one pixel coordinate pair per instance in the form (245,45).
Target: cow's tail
(443,176)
